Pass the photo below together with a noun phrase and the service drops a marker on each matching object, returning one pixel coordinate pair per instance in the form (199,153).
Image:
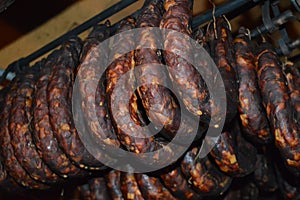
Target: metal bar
(277,22)
(79,29)
(223,9)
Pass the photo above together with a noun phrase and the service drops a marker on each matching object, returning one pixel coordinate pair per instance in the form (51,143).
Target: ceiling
(28,25)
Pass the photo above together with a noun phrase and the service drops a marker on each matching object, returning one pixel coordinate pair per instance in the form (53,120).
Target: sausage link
(277,103)
(157,100)
(255,124)
(125,114)
(205,178)
(21,131)
(94,59)
(125,64)
(3,173)
(12,165)
(59,93)
(221,51)
(152,188)
(98,189)
(212,106)
(129,187)
(3,91)
(264,174)
(11,186)
(46,143)
(288,183)
(85,191)
(113,181)
(185,78)
(233,154)
(292,75)
(242,190)
(6,182)
(177,184)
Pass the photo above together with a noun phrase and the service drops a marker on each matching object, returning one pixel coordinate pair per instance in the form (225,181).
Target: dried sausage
(94,59)
(12,166)
(157,100)
(185,78)
(233,154)
(255,124)
(292,75)
(3,91)
(288,183)
(85,191)
(125,64)
(113,181)
(152,188)
(205,178)
(242,189)
(277,103)
(129,187)
(177,184)
(98,189)
(221,48)
(59,92)
(264,174)
(21,131)
(44,139)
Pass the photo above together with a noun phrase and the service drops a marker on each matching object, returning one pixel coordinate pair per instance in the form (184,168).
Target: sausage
(125,116)
(157,100)
(113,181)
(129,187)
(292,75)
(59,92)
(12,165)
(221,51)
(152,188)
(255,124)
(85,191)
(242,189)
(225,155)
(9,185)
(247,153)
(233,154)
(92,61)
(46,143)
(98,189)
(288,183)
(277,103)
(264,174)
(205,178)
(185,78)
(20,131)
(121,65)
(213,105)
(3,91)
(3,173)
(176,183)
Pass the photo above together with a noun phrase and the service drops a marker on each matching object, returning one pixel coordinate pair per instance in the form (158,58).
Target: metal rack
(231,9)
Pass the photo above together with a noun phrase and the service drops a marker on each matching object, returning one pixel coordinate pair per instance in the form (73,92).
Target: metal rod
(79,29)
(222,9)
(277,22)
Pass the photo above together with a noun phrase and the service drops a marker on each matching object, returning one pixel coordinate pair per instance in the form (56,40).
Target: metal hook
(227,21)
(248,33)
(261,35)
(214,17)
